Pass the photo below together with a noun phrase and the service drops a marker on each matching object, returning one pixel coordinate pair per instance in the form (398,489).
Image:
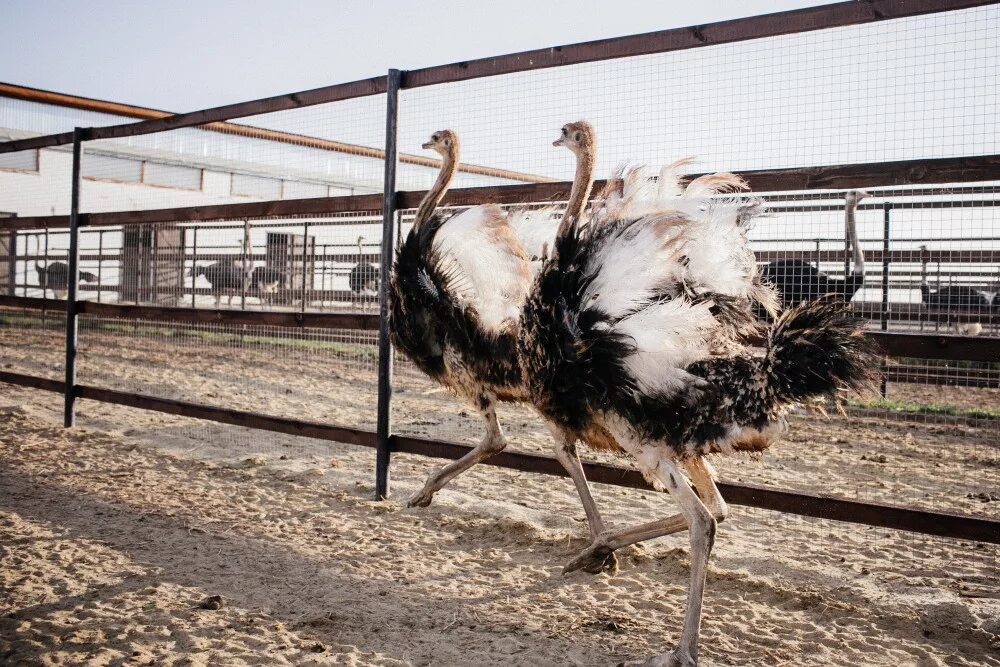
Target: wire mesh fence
(910,259)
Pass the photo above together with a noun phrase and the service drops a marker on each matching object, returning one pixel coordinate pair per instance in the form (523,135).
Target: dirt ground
(113,535)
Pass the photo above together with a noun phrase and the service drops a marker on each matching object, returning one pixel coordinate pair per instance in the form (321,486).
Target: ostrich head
(852,197)
(445,142)
(578,136)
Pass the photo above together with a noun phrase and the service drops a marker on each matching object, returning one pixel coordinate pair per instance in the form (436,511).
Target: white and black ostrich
(364,277)
(633,325)
(798,281)
(456,287)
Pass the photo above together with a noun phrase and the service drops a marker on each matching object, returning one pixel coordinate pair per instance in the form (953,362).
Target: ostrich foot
(596,558)
(421,499)
(676,658)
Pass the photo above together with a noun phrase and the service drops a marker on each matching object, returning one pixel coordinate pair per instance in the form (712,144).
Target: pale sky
(181,55)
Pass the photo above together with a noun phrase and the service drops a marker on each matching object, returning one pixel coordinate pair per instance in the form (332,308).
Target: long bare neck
(449,164)
(583,181)
(852,234)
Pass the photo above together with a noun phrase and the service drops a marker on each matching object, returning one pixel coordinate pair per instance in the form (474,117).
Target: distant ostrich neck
(852,234)
(449,164)
(583,181)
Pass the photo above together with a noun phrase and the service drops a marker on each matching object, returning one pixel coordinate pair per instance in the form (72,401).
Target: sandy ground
(114,534)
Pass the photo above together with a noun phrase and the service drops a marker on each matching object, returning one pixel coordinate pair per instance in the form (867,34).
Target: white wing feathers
(675,241)
(487,262)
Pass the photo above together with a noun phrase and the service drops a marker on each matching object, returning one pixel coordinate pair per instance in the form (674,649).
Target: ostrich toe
(594,559)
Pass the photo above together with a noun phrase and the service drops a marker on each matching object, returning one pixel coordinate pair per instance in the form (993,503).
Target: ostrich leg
(702,537)
(570,460)
(607,542)
(493,443)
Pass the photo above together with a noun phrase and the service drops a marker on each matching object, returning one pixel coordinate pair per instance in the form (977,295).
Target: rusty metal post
(383,430)
(73,277)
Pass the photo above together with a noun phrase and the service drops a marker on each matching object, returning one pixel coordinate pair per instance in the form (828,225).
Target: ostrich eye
(564,131)
(435,137)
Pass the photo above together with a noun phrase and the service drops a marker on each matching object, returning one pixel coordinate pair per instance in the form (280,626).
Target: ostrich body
(634,325)
(456,283)
(798,281)
(55,277)
(226,278)
(959,298)
(364,276)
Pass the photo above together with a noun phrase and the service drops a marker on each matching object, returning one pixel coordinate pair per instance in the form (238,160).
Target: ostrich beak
(428,145)
(561,141)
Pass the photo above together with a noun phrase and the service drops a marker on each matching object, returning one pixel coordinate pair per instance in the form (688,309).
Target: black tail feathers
(817,349)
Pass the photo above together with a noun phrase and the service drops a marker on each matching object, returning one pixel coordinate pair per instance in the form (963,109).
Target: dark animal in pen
(225,278)
(55,277)
(364,277)
(798,281)
(960,300)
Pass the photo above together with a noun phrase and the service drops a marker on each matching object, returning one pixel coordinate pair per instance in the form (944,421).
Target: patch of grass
(927,409)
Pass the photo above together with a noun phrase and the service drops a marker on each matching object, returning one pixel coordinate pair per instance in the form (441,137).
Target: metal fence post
(383,425)
(884,315)
(73,278)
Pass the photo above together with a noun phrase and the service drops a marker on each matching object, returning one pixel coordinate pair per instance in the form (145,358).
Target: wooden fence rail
(942,524)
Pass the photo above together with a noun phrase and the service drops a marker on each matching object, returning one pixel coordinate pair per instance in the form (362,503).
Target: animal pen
(896,97)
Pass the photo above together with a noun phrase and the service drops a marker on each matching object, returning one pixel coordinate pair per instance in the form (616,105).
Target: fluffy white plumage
(668,336)
(678,240)
(488,264)
(536,229)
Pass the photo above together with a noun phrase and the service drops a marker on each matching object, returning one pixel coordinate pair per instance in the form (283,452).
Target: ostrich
(633,325)
(223,277)
(457,287)
(798,281)
(956,298)
(457,284)
(55,277)
(364,276)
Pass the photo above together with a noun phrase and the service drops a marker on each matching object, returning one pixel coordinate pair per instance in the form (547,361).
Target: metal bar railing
(73,281)
(384,413)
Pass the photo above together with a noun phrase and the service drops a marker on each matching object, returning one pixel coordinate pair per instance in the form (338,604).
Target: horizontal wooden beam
(792,502)
(943,524)
(930,171)
(363,321)
(678,39)
(32,381)
(926,346)
(32,303)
